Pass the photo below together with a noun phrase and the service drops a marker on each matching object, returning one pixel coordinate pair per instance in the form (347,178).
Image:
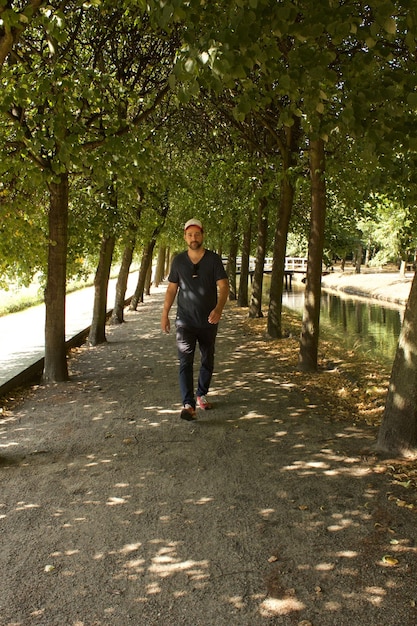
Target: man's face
(193,237)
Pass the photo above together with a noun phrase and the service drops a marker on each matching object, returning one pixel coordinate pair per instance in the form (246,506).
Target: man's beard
(195,245)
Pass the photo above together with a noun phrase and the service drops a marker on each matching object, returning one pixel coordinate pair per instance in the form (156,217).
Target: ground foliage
(348,386)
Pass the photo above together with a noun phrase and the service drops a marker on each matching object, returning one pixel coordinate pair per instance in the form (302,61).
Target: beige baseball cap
(193,222)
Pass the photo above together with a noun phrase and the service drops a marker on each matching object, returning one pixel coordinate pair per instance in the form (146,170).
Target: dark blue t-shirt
(197,288)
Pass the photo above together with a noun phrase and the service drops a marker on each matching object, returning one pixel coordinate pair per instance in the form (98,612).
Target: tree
(255,307)
(13,23)
(307,357)
(289,152)
(62,113)
(233,251)
(398,431)
(129,241)
(243,293)
(55,352)
(146,262)
(160,265)
(97,332)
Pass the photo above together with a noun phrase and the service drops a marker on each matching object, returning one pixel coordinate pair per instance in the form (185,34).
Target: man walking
(199,278)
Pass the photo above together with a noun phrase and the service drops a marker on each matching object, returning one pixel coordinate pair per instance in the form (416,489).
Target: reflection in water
(367,326)
(359,324)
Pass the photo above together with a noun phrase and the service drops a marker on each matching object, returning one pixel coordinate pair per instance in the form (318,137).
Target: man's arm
(223,294)
(170,294)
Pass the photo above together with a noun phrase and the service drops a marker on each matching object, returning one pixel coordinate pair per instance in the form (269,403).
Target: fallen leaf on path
(389,560)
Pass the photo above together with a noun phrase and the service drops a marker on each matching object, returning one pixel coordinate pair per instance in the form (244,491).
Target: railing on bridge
(292,264)
(295,264)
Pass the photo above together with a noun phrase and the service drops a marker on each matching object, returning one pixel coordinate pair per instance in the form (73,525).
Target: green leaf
(390,26)
(412,99)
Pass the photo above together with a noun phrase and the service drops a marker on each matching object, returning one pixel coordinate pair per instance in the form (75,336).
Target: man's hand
(165,323)
(214,317)
(223,293)
(170,294)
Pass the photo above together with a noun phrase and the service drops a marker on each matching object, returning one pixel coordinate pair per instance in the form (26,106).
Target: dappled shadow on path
(266,510)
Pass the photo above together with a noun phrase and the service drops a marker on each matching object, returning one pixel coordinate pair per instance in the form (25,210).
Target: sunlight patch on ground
(252,415)
(97,418)
(153,588)
(130,547)
(332,606)
(356,472)
(200,501)
(278,436)
(347,554)
(237,601)
(342,525)
(307,468)
(274,606)
(165,566)
(94,463)
(325,567)
(23,506)
(11,444)
(138,565)
(66,553)
(114,501)
(157,410)
(376,594)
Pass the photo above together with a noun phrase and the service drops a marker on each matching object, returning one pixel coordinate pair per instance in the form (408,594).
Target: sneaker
(188,413)
(203,403)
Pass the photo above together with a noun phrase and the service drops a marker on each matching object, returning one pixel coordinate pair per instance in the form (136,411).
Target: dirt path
(268,510)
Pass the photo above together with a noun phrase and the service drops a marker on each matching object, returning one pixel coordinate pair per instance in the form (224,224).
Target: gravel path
(270,509)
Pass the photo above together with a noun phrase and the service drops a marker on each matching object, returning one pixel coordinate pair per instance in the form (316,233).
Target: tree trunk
(307,357)
(231,259)
(143,271)
(243,294)
(167,261)
(123,277)
(148,280)
(278,261)
(160,266)
(97,333)
(367,255)
(121,285)
(147,256)
(274,327)
(398,431)
(56,368)
(255,309)
(358,259)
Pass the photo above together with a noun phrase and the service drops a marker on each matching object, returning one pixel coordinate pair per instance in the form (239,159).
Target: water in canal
(362,325)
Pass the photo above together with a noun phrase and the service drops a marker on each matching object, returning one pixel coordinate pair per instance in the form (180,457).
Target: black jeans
(187,338)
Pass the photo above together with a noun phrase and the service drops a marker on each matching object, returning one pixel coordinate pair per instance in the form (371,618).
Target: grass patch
(20,298)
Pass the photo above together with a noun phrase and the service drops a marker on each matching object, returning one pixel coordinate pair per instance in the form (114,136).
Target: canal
(360,325)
